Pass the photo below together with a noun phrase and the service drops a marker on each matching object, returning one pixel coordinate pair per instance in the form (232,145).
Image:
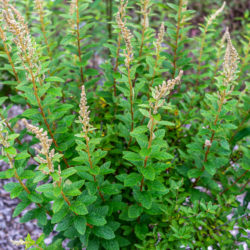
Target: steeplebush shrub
(134,132)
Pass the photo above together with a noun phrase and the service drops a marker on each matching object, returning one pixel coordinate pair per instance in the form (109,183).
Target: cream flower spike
(84,112)
(160,37)
(163,90)
(72,10)
(212,17)
(15,23)
(127,36)
(45,144)
(231,59)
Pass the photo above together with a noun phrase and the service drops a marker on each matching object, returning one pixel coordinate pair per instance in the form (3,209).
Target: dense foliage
(134,132)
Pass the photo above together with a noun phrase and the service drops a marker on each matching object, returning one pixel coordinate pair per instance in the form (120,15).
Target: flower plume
(84,112)
(160,37)
(15,23)
(212,17)
(127,36)
(45,144)
(163,90)
(230,60)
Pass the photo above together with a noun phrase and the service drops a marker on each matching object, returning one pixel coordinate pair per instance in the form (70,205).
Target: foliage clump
(139,133)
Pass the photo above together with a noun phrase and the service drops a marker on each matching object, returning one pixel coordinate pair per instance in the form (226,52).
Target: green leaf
(22,155)
(132,180)
(72,189)
(57,217)
(131,156)
(14,188)
(91,72)
(30,112)
(12,137)
(80,224)
(91,187)
(166,123)
(41,216)
(210,167)
(54,79)
(64,224)
(110,189)
(144,112)
(241,134)
(110,244)
(162,156)
(194,173)
(27,174)
(34,197)
(29,242)
(96,220)
(7,173)
(3,99)
(139,130)
(10,150)
(173,6)
(79,207)
(141,230)
(158,186)
(55,91)
(145,199)
(148,173)
(57,205)
(39,177)
(73,192)
(20,207)
(134,211)
(104,232)
(224,144)
(45,188)
(68,172)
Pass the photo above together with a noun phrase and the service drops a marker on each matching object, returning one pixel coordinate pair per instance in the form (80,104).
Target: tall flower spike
(230,60)
(45,144)
(72,10)
(224,37)
(163,90)
(39,5)
(145,12)
(15,23)
(122,7)
(160,37)
(212,17)
(18,242)
(3,135)
(127,36)
(84,112)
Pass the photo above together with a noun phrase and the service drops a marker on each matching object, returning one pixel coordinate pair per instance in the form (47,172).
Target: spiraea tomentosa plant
(138,132)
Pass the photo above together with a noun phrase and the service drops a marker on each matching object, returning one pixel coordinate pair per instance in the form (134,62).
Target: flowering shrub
(137,132)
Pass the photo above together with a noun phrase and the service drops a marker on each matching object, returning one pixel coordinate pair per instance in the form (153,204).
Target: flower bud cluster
(45,144)
(159,93)
(15,23)
(121,8)
(145,12)
(84,112)
(127,36)
(72,10)
(160,38)
(18,242)
(162,90)
(39,5)
(230,60)
(3,135)
(212,17)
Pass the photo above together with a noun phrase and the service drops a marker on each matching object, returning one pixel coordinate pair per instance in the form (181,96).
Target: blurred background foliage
(101,17)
